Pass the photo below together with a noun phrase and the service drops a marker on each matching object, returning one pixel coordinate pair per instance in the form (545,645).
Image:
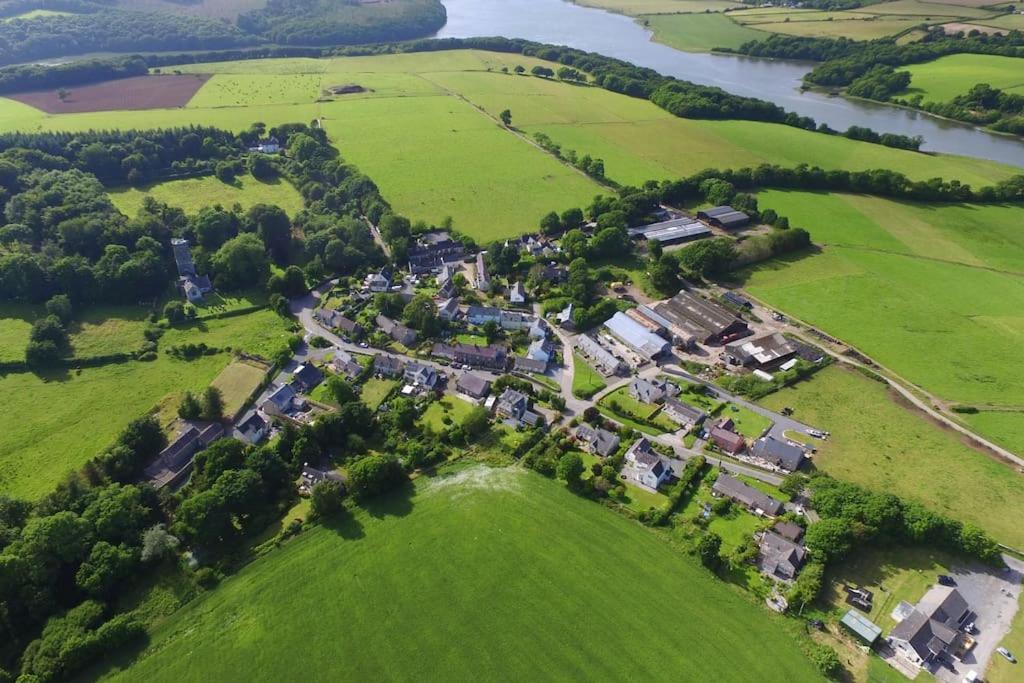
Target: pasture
(15,326)
(700,32)
(192,194)
(911,286)
(524,564)
(217,9)
(856,25)
(640,7)
(451,100)
(945,78)
(237,382)
(62,419)
(879,444)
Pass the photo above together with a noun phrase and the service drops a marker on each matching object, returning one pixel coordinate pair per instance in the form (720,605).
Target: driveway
(993,596)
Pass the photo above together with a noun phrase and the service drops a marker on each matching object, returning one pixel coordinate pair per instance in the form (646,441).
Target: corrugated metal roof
(861,625)
(636,335)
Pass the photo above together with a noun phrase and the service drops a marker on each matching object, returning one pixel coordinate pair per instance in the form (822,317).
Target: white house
(644,466)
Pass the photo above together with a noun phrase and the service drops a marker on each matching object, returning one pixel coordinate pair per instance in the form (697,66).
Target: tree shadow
(777,263)
(397,503)
(345,524)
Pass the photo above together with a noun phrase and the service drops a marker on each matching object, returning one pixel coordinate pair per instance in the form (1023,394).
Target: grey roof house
(396,330)
(780,454)
(683,413)
(597,441)
(652,390)
(307,376)
(779,557)
(472,385)
(933,629)
(388,366)
(747,495)
(514,406)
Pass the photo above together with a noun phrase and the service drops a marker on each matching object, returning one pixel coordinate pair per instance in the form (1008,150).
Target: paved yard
(993,596)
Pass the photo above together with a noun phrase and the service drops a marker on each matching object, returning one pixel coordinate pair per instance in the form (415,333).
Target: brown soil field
(967,28)
(138,92)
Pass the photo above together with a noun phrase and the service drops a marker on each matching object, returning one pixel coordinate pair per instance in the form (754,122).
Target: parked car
(971,628)
(817,623)
(1006,653)
(945,580)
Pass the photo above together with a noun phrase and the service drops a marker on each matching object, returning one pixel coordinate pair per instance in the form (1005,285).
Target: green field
(700,32)
(237,382)
(15,326)
(193,194)
(454,409)
(374,391)
(61,420)
(639,7)
(645,414)
(425,111)
(586,381)
(912,286)
(879,444)
(524,565)
(947,77)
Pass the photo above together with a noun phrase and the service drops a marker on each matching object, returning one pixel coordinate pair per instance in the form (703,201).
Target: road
(302,308)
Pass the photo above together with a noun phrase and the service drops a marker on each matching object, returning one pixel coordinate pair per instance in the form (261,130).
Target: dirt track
(138,92)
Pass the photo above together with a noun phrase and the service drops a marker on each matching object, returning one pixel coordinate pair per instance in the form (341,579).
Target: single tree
(190,408)
(326,498)
(506,118)
(213,404)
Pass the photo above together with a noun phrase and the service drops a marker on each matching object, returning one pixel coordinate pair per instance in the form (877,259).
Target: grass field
(374,391)
(896,278)
(454,409)
(586,381)
(524,564)
(440,95)
(880,445)
(639,7)
(947,77)
(62,420)
(15,326)
(237,382)
(193,194)
(103,330)
(747,422)
(700,32)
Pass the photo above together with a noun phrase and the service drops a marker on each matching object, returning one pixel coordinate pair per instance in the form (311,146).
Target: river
(562,23)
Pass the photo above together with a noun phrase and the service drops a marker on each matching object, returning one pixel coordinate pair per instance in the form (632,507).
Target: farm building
(672,332)
(672,231)
(173,465)
(766,352)
(724,217)
(780,454)
(637,337)
(651,325)
(708,322)
(737,300)
(604,360)
(747,496)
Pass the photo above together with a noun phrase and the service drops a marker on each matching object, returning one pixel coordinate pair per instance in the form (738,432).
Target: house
(253,428)
(729,441)
(270,145)
(541,350)
(192,285)
(481,315)
(564,318)
(673,231)
(747,496)
(378,282)
(706,321)
(597,441)
(448,309)
(174,464)
(526,364)
(645,466)
(779,557)
(420,375)
(482,281)
(433,251)
(397,331)
(539,329)
(789,531)
(780,454)
(473,386)
(683,413)
(763,353)
(494,357)
(311,476)
(551,273)
(514,407)
(345,365)
(335,320)
(388,366)
(604,360)
(637,337)
(724,217)
(283,401)
(307,376)
(651,390)
(515,320)
(517,293)
(932,630)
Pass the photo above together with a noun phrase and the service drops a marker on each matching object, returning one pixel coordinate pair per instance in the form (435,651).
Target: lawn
(61,420)
(375,390)
(454,409)
(947,77)
(643,413)
(747,422)
(524,564)
(700,32)
(15,326)
(472,339)
(586,381)
(237,382)
(893,574)
(192,194)
(881,445)
(896,278)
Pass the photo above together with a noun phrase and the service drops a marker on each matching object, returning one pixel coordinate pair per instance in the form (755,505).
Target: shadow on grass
(740,277)
(345,525)
(396,503)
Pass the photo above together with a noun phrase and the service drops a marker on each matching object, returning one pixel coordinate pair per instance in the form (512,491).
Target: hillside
(460,581)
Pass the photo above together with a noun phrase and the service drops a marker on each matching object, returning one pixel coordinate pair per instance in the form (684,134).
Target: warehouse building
(637,337)
(708,322)
(724,217)
(766,352)
(670,232)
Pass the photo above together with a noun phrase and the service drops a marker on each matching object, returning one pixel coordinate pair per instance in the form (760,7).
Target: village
(659,372)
